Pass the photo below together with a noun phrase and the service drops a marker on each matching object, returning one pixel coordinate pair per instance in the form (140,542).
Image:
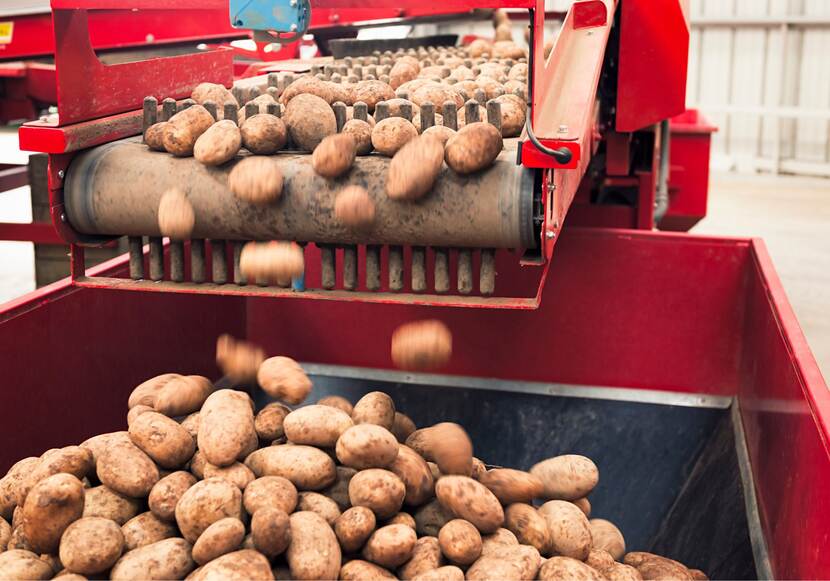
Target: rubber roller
(115,190)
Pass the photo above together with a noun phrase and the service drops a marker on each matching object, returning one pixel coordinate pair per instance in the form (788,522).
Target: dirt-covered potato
(154,136)
(402,72)
(402,427)
(379,490)
(391,134)
(366,446)
(270,491)
(314,552)
(430,517)
(446,573)
(146,529)
(359,570)
(414,169)
(322,505)
(13,480)
(176,216)
(558,568)
(607,537)
(309,119)
(184,128)
(491,542)
(137,411)
(50,507)
(506,562)
(390,546)
(441,132)
(375,407)
(282,378)
(238,359)
(584,505)
(257,180)
(339,490)
(460,542)
(414,472)
(372,92)
(240,565)
(91,545)
(166,493)
(447,444)
(354,207)
(191,423)
(511,485)
(306,467)
(21,564)
(204,92)
(167,559)
(419,345)
(334,155)
(426,556)
(604,563)
(226,427)
(528,525)
(437,94)
(402,518)
(183,395)
(361,132)
(316,425)
(270,531)
(145,393)
(567,477)
(409,87)
(471,501)
(219,144)
(237,474)
(475,147)
(101,501)
(269,422)
(570,532)
(507,49)
(75,460)
(5,534)
(653,567)
(599,559)
(206,502)
(308,85)
(337,401)
(162,439)
(354,527)
(263,134)
(197,464)
(512,116)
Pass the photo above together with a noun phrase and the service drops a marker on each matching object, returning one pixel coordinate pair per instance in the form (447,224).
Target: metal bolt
(550,234)
(293,28)
(61,173)
(63,218)
(563,129)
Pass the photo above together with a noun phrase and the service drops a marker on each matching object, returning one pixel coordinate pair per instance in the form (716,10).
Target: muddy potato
(101,501)
(339,490)
(53,562)
(450,447)
(524,557)
(366,446)
(518,89)
(21,564)
(375,408)
(696,574)
(337,401)
(607,537)
(570,532)
(391,134)
(283,378)
(183,395)
(162,439)
(237,474)
(492,542)
(50,507)
(322,505)
(270,531)
(380,490)
(402,518)
(176,217)
(306,467)
(528,525)
(460,542)
(269,422)
(430,517)
(91,545)
(409,87)
(557,568)
(308,85)
(5,534)
(222,537)
(437,94)
(653,567)
(426,556)
(447,573)
(263,134)
(204,92)
(415,474)
(238,359)
(184,128)
(441,132)
(354,527)
(412,173)
(567,477)
(471,501)
(316,425)
(146,529)
(621,572)
(12,481)
(462,73)
(475,147)
(206,502)
(166,493)
(334,155)
(219,144)
(75,460)
(507,49)
(270,491)
(275,262)
(354,207)
(479,47)
(154,136)
(240,565)
(599,559)
(402,427)
(309,119)
(511,486)
(372,92)
(419,345)
(226,426)
(314,552)
(146,392)
(167,559)
(358,570)
(257,180)
(518,72)
(584,505)
(402,72)
(361,132)
(390,546)
(137,411)
(18,541)
(197,464)
(512,116)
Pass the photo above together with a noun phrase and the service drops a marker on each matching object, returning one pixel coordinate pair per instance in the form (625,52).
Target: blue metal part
(280,16)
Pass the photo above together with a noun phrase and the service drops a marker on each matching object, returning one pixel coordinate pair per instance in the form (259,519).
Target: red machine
(597,306)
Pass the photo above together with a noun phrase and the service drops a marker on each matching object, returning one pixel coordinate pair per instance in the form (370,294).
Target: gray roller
(115,189)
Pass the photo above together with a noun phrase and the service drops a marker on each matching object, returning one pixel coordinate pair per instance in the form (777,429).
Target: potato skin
(366,446)
(322,505)
(306,467)
(471,501)
(557,568)
(426,556)
(430,517)
(437,94)
(391,134)
(339,490)
(183,395)
(75,460)
(282,378)
(219,144)
(570,532)
(448,445)
(607,537)
(162,439)
(654,567)
(270,491)
(334,155)
(237,566)
(226,427)
(146,529)
(402,427)
(154,136)
(354,207)
(257,180)
(446,573)
(137,411)
(191,423)
(354,527)
(475,147)
(269,422)
(517,562)
(215,92)
(101,501)
(167,559)
(568,477)
(375,408)
(308,85)
(372,92)
(427,344)
(314,552)
(10,483)
(270,531)
(220,538)
(584,505)
(176,217)
(5,534)
(380,490)
(511,486)
(528,525)
(415,474)
(145,392)
(361,132)
(184,128)
(309,119)
(358,570)
(166,493)
(237,474)
(414,168)
(263,134)
(21,564)
(493,541)
(206,502)
(390,546)
(316,425)
(50,507)
(91,545)
(460,542)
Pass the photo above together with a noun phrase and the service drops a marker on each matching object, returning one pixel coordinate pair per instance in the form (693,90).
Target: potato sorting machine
(675,361)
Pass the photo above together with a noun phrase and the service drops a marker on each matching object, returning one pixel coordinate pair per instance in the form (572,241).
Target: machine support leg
(328,266)
(442,270)
(487,274)
(395,268)
(419,270)
(197,260)
(156,258)
(238,277)
(465,271)
(373,267)
(176,260)
(220,261)
(350,267)
(136,257)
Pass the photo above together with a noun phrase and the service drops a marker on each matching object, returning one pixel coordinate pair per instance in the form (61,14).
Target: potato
(334,155)
(309,119)
(412,173)
(599,559)
(475,147)
(462,73)
(525,559)
(410,87)
(402,72)
(184,128)
(402,427)
(402,518)
(375,408)
(270,491)
(226,427)
(19,564)
(238,359)
(306,467)
(191,423)
(154,136)
(146,529)
(430,517)
(166,493)
(366,446)
(314,552)
(137,411)
(241,565)
(283,378)
(517,88)
(447,573)
(12,481)
(197,464)
(654,567)
(162,439)
(316,425)
(204,92)
(557,568)
(257,180)
(607,537)
(511,486)
(339,491)
(219,144)
(584,505)
(269,422)
(512,117)
(415,474)
(354,527)
(470,500)
(361,132)
(392,133)
(427,344)
(603,562)
(101,501)
(380,490)
(263,134)
(176,216)
(337,401)
(491,542)
(91,545)
(275,262)
(570,533)
(73,460)
(426,556)
(354,207)
(237,474)
(436,94)
(567,477)
(322,505)
(206,502)
(528,525)
(145,393)
(183,395)
(507,49)
(390,546)
(460,542)
(433,72)
(448,445)
(479,469)
(270,531)
(50,507)
(358,570)
(372,93)
(308,86)
(167,559)
(5,534)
